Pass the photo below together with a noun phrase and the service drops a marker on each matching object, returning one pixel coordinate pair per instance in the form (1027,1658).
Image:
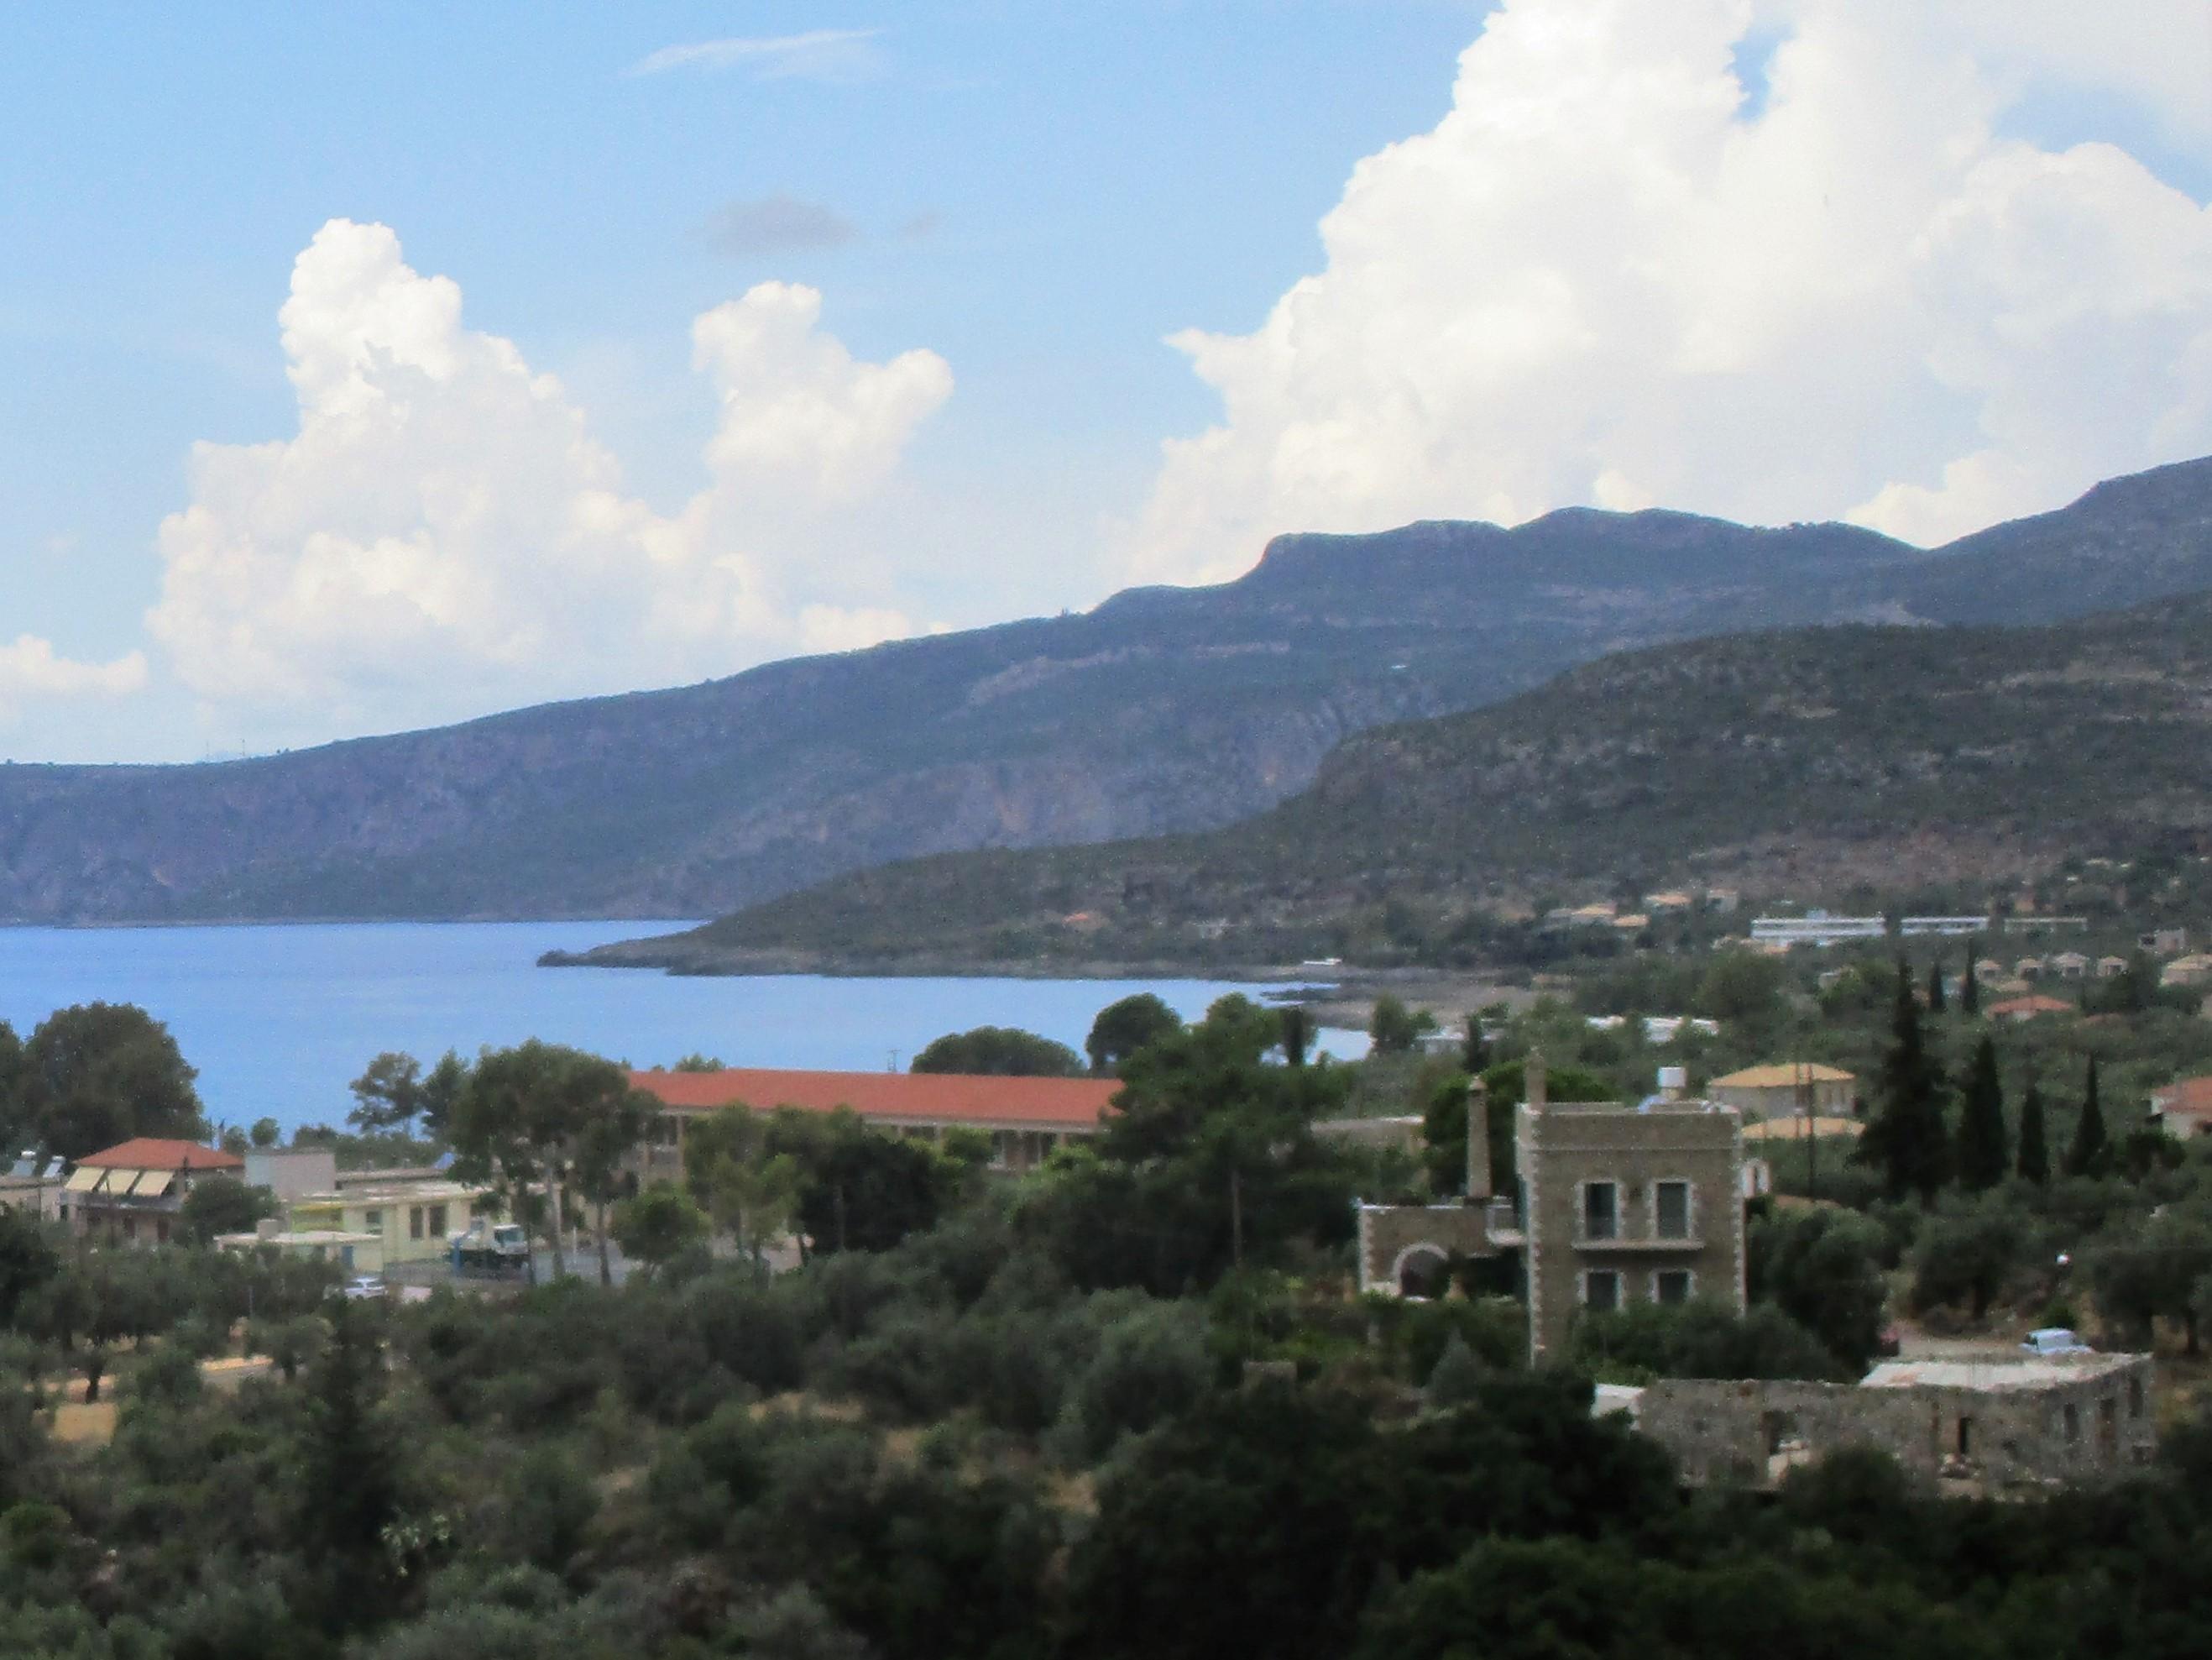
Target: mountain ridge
(1160,710)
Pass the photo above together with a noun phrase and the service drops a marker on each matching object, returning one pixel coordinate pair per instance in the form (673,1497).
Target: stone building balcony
(1684,1244)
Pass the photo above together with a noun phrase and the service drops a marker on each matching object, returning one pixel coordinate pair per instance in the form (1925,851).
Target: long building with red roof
(1024,1117)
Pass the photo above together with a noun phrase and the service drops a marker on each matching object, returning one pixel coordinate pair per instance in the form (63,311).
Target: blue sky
(1087,177)
(1009,208)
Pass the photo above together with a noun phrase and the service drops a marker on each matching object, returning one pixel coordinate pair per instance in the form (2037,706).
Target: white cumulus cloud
(31,672)
(1609,276)
(443,534)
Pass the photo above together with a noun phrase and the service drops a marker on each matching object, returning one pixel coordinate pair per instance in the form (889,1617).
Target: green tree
(1700,1339)
(1297,1033)
(1965,1253)
(2034,1150)
(1984,1155)
(523,1115)
(1823,1268)
(658,1225)
(858,1189)
(2153,1271)
(999,1052)
(1393,1029)
(2090,1150)
(350,1491)
(609,1136)
(28,1261)
(1935,997)
(388,1094)
(222,1204)
(1970,988)
(1741,989)
(98,1074)
(265,1133)
(748,1189)
(1906,1140)
(1474,1048)
(1123,1028)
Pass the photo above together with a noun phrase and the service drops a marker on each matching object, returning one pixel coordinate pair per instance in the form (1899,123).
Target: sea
(279,1018)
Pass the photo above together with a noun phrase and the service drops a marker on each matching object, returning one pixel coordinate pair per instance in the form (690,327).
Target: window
(1601,1210)
(1601,1291)
(2073,1421)
(371,1221)
(415,1222)
(1670,1210)
(1965,1438)
(437,1221)
(1671,1286)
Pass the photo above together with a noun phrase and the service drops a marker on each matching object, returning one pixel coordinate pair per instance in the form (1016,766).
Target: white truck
(488,1250)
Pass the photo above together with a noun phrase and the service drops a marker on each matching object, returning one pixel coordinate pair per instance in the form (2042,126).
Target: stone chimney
(1478,1141)
(1532,1071)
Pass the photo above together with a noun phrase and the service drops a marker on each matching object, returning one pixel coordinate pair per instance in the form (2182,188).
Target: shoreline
(1340,996)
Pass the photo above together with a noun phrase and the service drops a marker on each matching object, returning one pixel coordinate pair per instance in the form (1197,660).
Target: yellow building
(353,1253)
(412,1219)
(1760,1092)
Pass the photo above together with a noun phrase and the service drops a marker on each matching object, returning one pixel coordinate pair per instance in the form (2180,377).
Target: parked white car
(2054,1340)
(363,1285)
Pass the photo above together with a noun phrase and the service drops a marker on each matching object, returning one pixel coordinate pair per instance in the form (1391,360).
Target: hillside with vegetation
(1810,761)
(1161,711)
(1051,1415)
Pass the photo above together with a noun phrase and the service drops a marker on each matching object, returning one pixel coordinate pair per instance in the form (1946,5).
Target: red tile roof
(2189,1097)
(1049,1103)
(2037,1004)
(149,1152)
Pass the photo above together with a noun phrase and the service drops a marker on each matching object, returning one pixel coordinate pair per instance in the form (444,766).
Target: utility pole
(1237,1216)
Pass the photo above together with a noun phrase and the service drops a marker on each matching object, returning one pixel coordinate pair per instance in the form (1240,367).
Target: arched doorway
(1422,1271)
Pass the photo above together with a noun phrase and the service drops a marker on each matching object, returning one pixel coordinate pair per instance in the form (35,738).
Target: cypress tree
(1936,987)
(1970,988)
(2034,1152)
(2087,1152)
(1907,1138)
(1983,1153)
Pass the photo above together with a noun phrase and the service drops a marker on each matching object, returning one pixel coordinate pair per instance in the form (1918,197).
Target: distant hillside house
(1025,1117)
(2193,970)
(133,1192)
(2030,1007)
(1772,1091)
(2164,942)
(2184,1108)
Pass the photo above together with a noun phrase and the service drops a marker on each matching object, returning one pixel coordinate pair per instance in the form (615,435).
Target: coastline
(1340,995)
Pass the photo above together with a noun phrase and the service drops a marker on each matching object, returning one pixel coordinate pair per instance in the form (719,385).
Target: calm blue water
(279,1019)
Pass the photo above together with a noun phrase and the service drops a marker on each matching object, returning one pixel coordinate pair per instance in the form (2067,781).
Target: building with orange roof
(2183,1108)
(1025,1117)
(132,1192)
(2029,1008)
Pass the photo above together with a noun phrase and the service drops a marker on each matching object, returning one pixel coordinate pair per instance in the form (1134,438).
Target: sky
(365,369)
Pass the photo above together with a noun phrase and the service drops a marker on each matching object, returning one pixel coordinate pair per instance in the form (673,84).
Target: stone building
(1614,1205)
(1624,1205)
(1973,1427)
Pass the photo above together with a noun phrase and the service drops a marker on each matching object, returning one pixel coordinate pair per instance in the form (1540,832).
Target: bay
(279,1018)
